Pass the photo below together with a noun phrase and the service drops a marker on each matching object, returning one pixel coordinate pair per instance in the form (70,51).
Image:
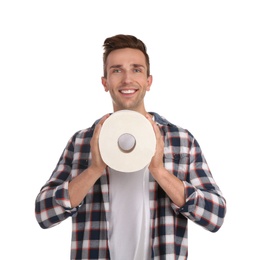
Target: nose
(127,78)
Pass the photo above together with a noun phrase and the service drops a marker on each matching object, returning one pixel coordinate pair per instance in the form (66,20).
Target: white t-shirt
(129,223)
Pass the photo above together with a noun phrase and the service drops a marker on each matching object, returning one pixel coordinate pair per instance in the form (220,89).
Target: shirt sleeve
(205,204)
(52,204)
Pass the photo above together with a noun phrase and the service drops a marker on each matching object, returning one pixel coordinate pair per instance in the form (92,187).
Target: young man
(140,215)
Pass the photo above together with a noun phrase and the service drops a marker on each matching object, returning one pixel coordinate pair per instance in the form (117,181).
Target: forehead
(126,55)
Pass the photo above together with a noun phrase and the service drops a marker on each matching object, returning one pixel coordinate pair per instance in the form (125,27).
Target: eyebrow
(132,65)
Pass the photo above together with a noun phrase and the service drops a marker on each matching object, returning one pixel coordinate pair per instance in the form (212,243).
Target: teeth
(128,91)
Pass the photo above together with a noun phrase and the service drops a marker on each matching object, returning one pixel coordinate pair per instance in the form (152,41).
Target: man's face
(127,79)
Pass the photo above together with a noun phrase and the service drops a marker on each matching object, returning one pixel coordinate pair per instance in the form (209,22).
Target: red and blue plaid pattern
(204,205)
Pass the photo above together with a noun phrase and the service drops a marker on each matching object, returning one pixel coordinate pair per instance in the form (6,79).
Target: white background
(50,67)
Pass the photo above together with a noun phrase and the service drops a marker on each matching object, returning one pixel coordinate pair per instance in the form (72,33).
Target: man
(111,220)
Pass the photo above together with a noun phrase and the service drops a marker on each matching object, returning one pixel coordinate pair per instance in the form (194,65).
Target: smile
(128,91)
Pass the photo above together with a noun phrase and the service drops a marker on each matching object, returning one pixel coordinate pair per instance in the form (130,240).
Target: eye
(137,70)
(116,71)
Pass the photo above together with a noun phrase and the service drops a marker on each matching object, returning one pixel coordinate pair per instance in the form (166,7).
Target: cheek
(113,82)
(108,84)
(147,86)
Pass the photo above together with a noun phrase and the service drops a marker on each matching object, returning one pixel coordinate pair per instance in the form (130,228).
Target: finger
(149,117)
(155,126)
(102,120)
(99,124)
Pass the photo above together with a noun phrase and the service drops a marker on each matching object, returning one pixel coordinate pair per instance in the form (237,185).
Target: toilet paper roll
(127,141)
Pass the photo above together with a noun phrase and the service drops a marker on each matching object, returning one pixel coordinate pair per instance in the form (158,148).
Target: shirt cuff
(62,197)
(189,201)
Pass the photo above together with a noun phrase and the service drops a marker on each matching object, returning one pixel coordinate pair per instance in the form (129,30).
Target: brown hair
(121,41)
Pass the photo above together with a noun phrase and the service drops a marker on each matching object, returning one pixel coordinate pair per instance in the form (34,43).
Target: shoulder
(162,121)
(84,134)
(170,129)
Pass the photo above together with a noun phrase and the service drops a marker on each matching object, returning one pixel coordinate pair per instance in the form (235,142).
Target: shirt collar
(159,119)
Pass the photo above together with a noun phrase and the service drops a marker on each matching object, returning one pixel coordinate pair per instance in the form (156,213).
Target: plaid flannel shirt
(205,204)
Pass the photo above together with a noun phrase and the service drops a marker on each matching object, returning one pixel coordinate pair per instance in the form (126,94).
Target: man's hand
(173,186)
(157,160)
(97,164)
(81,184)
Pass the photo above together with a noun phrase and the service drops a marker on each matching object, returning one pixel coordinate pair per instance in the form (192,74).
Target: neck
(141,111)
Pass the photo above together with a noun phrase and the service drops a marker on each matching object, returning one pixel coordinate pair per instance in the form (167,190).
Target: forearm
(173,186)
(55,204)
(206,207)
(81,184)
(52,205)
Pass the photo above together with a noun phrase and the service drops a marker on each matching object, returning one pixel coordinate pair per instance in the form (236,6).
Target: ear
(104,83)
(149,80)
